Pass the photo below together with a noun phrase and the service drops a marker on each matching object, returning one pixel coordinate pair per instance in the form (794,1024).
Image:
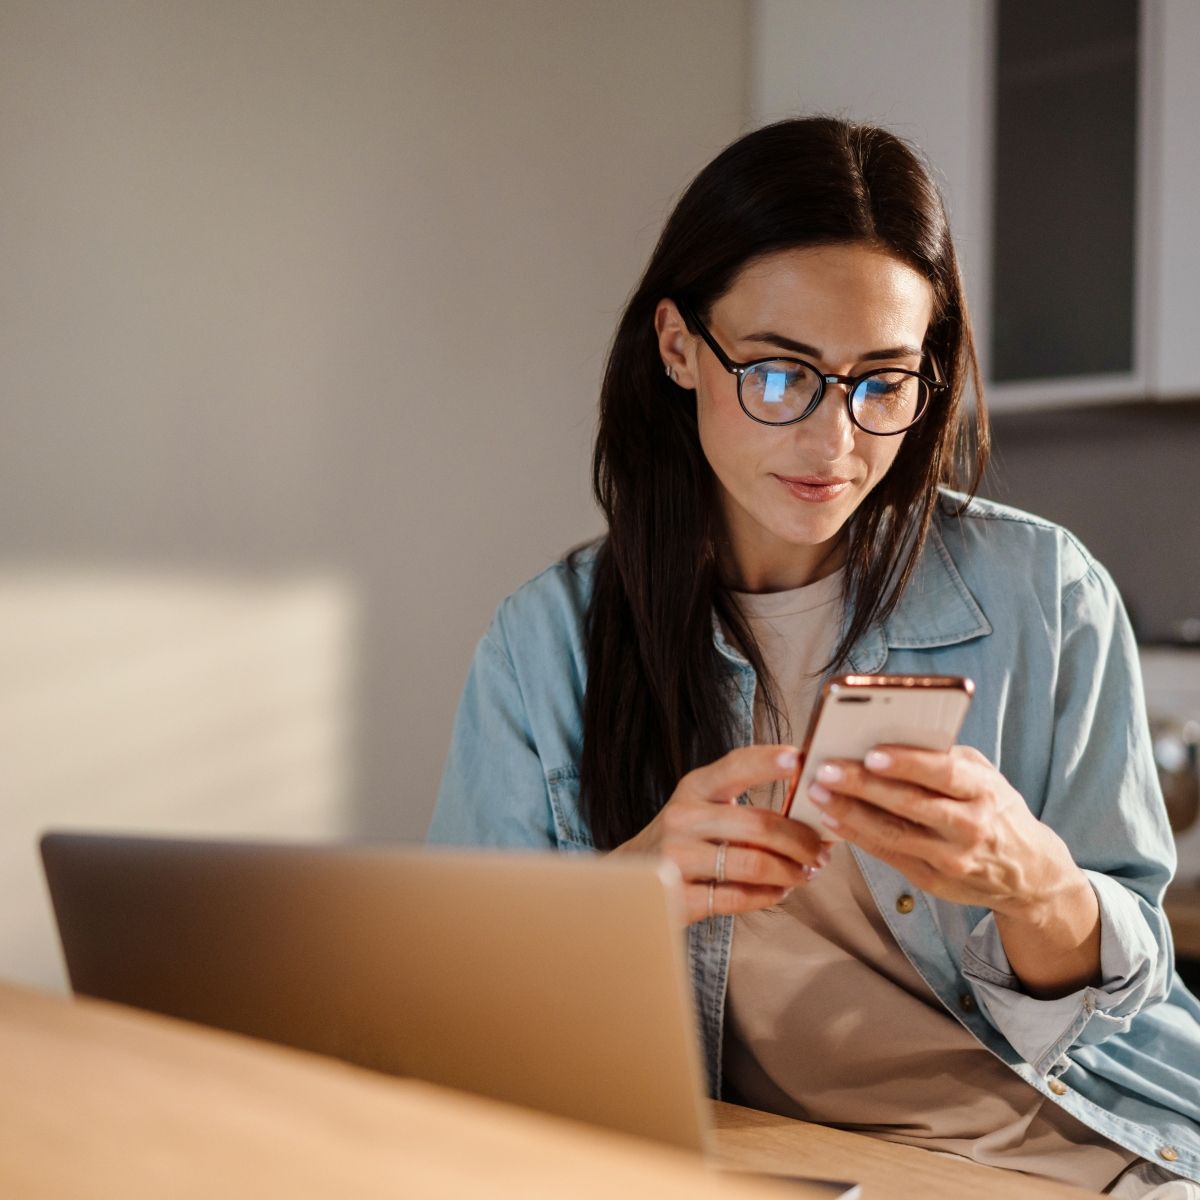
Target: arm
(493,790)
(1103,799)
(1052,941)
(496,791)
(957,829)
(1052,964)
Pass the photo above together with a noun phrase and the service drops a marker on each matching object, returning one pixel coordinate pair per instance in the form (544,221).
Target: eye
(779,385)
(883,385)
(779,378)
(889,401)
(888,387)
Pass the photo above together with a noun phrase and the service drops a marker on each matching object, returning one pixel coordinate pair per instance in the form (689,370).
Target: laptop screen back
(552,981)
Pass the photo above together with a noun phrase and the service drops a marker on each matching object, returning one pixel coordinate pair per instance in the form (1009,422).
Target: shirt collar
(936,609)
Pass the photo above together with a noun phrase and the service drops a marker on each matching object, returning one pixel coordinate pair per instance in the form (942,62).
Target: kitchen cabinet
(990,88)
(1173,198)
(1064,190)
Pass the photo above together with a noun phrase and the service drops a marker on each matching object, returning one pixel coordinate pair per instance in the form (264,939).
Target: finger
(724,780)
(886,836)
(962,771)
(744,864)
(757,828)
(730,899)
(952,819)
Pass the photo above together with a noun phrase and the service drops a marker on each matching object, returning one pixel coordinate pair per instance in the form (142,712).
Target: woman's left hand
(951,824)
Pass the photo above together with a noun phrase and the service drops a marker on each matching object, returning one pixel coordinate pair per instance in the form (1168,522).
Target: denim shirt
(1019,606)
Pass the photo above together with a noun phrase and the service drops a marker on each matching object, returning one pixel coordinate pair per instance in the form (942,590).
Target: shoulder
(550,609)
(996,545)
(538,640)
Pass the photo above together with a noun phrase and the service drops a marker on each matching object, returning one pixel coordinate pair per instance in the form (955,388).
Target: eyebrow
(777,339)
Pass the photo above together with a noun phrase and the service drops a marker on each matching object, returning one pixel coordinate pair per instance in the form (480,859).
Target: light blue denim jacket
(1019,606)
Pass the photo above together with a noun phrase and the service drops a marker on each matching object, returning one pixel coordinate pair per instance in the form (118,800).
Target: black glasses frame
(932,386)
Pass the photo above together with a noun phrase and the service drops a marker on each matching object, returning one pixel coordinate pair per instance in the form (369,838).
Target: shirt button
(966,1002)
(1058,1087)
(1168,1152)
(905,903)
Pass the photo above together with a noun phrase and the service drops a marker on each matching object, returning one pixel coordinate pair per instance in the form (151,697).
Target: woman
(980,965)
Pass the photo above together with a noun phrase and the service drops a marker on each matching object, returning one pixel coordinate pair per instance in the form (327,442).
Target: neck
(743,571)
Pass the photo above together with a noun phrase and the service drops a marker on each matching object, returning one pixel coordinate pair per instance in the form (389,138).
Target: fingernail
(877,760)
(829,773)
(810,873)
(823,856)
(826,819)
(786,894)
(819,795)
(788,759)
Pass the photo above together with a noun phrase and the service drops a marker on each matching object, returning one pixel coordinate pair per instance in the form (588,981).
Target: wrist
(1067,896)
(1053,940)
(1055,890)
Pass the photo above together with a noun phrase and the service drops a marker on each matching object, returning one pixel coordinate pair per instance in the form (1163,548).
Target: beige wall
(937,100)
(307,303)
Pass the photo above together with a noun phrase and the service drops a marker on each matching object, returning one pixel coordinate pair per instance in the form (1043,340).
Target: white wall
(312,298)
(914,67)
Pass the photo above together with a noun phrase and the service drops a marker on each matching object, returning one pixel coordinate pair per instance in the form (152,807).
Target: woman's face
(786,492)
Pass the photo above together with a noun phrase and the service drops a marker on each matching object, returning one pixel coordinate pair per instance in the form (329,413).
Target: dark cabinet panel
(1065,175)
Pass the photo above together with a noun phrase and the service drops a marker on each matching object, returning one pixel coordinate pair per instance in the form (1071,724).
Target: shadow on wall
(165,702)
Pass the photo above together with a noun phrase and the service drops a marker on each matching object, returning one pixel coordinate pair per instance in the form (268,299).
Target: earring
(671,374)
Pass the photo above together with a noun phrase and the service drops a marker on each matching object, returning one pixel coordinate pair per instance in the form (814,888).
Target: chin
(815,528)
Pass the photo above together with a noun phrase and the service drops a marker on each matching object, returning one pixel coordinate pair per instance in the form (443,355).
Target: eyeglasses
(782,391)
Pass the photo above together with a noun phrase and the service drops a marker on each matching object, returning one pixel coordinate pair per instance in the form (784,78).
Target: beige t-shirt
(826,1019)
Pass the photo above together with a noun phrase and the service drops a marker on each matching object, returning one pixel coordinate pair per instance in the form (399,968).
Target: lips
(815,489)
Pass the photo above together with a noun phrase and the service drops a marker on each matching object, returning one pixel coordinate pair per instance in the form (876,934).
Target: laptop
(553,981)
(546,980)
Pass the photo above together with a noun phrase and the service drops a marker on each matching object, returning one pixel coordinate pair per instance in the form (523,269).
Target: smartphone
(856,712)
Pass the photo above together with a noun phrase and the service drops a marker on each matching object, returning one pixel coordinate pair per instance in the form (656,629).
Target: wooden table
(762,1141)
(99,1101)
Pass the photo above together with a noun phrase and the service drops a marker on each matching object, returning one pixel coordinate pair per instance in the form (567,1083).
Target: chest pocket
(569,825)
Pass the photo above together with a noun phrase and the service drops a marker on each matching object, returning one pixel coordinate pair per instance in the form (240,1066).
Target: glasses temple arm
(690,318)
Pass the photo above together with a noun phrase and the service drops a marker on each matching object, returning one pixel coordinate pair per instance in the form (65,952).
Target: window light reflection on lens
(774,386)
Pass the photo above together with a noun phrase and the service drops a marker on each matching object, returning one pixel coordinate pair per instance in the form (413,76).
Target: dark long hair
(658,698)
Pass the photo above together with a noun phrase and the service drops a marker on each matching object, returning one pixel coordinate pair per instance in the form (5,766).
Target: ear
(676,346)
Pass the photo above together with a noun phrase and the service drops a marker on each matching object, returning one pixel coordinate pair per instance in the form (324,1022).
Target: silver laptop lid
(548,980)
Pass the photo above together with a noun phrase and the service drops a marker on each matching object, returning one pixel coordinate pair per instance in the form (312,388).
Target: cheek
(881,453)
(718,421)
(733,444)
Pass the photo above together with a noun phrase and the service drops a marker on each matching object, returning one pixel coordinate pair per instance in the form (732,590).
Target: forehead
(848,298)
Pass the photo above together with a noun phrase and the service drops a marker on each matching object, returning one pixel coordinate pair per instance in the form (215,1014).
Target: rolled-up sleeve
(1042,1031)
(1103,798)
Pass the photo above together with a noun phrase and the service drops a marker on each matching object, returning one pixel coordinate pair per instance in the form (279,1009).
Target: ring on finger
(719,874)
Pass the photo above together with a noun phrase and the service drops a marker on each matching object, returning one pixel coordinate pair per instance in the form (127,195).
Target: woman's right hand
(766,854)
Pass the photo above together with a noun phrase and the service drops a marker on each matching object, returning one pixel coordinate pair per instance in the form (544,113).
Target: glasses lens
(779,391)
(888,401)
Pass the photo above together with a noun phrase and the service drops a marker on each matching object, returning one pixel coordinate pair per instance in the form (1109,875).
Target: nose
(830,429)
